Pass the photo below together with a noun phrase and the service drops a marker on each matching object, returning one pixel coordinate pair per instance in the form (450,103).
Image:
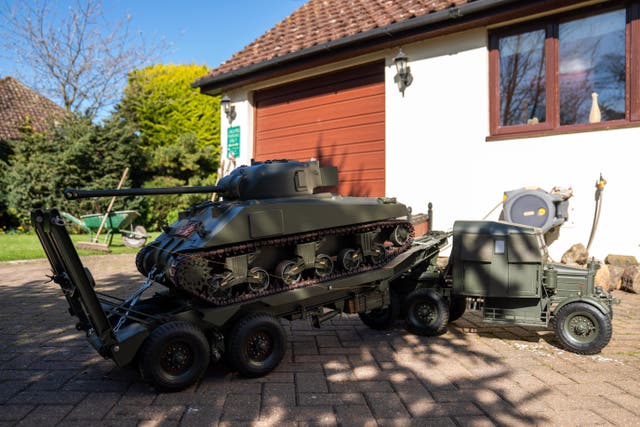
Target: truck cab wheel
(427,312)
(174,356)
(582,328)
(382,318)
(257,344)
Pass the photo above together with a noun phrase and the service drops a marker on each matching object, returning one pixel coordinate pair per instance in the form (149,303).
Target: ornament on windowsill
(594,114)
(533,121)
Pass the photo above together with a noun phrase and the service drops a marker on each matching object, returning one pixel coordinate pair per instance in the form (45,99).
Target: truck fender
(605,309)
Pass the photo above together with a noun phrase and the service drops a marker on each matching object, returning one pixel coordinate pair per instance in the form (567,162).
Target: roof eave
(213,85)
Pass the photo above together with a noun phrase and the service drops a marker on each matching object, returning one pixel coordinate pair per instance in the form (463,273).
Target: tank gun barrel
(74,194)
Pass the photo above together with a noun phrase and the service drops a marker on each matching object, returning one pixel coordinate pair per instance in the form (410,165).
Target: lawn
(23,246)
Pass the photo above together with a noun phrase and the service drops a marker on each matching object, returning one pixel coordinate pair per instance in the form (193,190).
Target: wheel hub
(426,313)
(581,326)
(259,346)
(176,358)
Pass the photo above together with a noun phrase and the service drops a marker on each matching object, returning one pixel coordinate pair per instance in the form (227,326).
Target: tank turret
(279,178)
(261,180)
(268,231)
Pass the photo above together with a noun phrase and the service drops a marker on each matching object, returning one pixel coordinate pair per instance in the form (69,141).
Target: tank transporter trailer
(218,280)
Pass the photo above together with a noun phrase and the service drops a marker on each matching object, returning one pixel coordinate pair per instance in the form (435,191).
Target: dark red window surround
(545,94)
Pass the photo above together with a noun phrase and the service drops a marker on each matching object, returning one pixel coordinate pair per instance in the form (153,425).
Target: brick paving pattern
(342,374)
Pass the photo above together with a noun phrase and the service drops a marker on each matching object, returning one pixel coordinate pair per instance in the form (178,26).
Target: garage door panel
(362,188)
(356,164)
(337,119)
(307,129)
(327,103)
(340,139)
(355,108)
(352,78)
(322,114)
(324,151)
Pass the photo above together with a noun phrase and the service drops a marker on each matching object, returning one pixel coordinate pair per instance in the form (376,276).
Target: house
(21,106)
(497,95)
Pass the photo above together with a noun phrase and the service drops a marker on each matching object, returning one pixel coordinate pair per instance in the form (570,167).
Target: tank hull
(217,245)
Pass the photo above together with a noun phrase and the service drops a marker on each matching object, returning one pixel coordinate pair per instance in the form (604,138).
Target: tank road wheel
(323,265)
(350,259)
(257,344)
(259,279)
(427,312)
(174,356)
(382,318)
(286,271)
(399,235)
(582,328)
(378,253)
(457,308)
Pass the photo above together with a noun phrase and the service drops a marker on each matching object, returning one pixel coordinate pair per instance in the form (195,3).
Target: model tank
(269,231)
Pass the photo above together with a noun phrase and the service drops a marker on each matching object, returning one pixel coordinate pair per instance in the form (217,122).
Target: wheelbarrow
(116,222)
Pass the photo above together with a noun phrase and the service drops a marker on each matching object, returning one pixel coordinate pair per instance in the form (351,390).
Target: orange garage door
(337,118)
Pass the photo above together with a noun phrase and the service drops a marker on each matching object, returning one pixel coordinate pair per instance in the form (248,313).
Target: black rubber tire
(457,307)
(427,312)
(383,318)
(581,328)
(174,356)
(257,344)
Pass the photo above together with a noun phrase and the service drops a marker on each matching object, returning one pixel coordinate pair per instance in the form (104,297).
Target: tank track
(218,256)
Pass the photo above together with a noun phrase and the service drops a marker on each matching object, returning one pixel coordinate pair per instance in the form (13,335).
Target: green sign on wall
(233,142)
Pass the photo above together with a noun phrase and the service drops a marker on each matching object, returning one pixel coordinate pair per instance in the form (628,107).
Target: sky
(202,32)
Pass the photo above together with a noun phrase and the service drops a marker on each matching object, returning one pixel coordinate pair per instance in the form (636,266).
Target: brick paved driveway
(342,374)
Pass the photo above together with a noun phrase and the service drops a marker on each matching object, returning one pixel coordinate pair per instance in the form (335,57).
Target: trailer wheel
(174,356)
(257,344)
(457,308)
(582,328)
(427,312)
(382,318)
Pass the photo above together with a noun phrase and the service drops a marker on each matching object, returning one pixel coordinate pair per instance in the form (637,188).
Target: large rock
(603,278)
(628,277)
(615,273)
(636,283)
(621,260)
(577,254)
(623,272)
(613,277)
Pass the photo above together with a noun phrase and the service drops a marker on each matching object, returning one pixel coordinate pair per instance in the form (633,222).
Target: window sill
(537,133)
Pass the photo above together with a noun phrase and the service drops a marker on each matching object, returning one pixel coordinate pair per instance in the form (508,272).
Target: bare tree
(73,54)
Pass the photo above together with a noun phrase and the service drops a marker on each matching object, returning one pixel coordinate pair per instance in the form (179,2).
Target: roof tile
(19,103)
(321,21)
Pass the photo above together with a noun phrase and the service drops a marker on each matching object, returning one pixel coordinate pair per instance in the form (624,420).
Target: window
(567,73)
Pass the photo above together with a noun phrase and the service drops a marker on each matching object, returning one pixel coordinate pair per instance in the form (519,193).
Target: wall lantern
(403,76)
(229,110)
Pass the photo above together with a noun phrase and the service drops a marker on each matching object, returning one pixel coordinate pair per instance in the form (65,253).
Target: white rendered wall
(436,151)
(243,119)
